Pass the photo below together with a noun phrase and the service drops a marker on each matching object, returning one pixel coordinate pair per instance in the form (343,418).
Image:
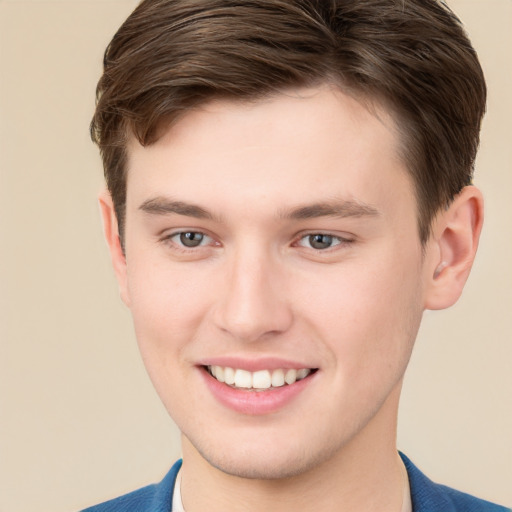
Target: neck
(365,475)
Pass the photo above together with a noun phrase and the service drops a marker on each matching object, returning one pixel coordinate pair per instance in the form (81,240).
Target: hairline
(375,104)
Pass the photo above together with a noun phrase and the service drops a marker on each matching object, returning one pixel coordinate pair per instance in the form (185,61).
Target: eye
(190,239)
(321,241)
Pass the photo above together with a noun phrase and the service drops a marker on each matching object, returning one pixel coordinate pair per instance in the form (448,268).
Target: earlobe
(452,248)
(111,232)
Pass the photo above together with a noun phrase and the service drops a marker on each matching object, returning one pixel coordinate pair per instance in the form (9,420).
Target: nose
(254,303)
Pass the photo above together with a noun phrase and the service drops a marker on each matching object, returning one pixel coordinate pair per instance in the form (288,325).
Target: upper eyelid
(168,236)
(342,242)
(344,237)
(170,232)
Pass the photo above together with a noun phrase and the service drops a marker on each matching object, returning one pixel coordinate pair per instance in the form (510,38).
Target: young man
(289,188)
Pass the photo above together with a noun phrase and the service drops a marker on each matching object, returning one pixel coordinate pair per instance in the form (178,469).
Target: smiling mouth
(261,380)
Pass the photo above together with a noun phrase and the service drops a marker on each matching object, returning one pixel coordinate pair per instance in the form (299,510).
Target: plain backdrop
(79,420)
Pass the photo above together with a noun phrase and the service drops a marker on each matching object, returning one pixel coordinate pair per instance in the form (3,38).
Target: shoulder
(156,497)
(427,496)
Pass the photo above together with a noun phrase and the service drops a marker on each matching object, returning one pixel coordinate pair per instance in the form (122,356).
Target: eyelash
(180,246)
(340,241)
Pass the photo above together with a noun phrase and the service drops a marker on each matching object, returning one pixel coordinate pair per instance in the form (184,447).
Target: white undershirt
(177,503)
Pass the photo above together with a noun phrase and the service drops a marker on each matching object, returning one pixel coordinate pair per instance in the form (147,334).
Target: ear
(111,232)
(452,248)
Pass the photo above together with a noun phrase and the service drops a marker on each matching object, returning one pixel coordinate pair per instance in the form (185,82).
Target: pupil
(191,239)
(320,241)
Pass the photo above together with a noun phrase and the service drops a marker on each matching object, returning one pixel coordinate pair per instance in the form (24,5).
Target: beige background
(79,421)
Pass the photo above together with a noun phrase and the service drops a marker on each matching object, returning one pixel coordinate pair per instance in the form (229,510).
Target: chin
(262,469)
(265,463)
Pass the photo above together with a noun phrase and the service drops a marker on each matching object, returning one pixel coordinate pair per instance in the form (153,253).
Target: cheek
(168,307)
(167,304)
(370,314)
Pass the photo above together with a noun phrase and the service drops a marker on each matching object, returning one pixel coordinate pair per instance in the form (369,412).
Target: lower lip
(255,402)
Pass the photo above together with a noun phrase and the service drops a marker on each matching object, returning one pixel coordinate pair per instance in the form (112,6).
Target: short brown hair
(412,56)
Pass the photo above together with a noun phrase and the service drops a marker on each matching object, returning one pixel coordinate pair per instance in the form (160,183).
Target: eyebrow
(335,208)
(165,206)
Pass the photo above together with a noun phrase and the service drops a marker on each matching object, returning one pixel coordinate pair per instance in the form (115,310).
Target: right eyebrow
(166,206)
(335,208)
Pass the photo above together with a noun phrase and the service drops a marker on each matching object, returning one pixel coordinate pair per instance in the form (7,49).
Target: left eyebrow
(166,206)
(339,209)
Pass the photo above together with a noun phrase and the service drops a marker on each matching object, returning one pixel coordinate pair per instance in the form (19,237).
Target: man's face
(263,239)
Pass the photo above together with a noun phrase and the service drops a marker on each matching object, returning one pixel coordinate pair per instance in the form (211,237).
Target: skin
(255,287)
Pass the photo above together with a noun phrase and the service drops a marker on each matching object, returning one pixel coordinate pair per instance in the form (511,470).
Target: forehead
(316,141)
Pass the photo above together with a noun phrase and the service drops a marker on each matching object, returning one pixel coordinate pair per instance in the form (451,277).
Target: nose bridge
(253,303)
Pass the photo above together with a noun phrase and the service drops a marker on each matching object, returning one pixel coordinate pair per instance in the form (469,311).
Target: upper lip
(254,364)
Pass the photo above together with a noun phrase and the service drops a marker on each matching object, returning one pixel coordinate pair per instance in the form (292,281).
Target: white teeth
(291,376)
(243,379)
(262,379)
(229,376)
(219,373)
(302,373)
(278,378)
